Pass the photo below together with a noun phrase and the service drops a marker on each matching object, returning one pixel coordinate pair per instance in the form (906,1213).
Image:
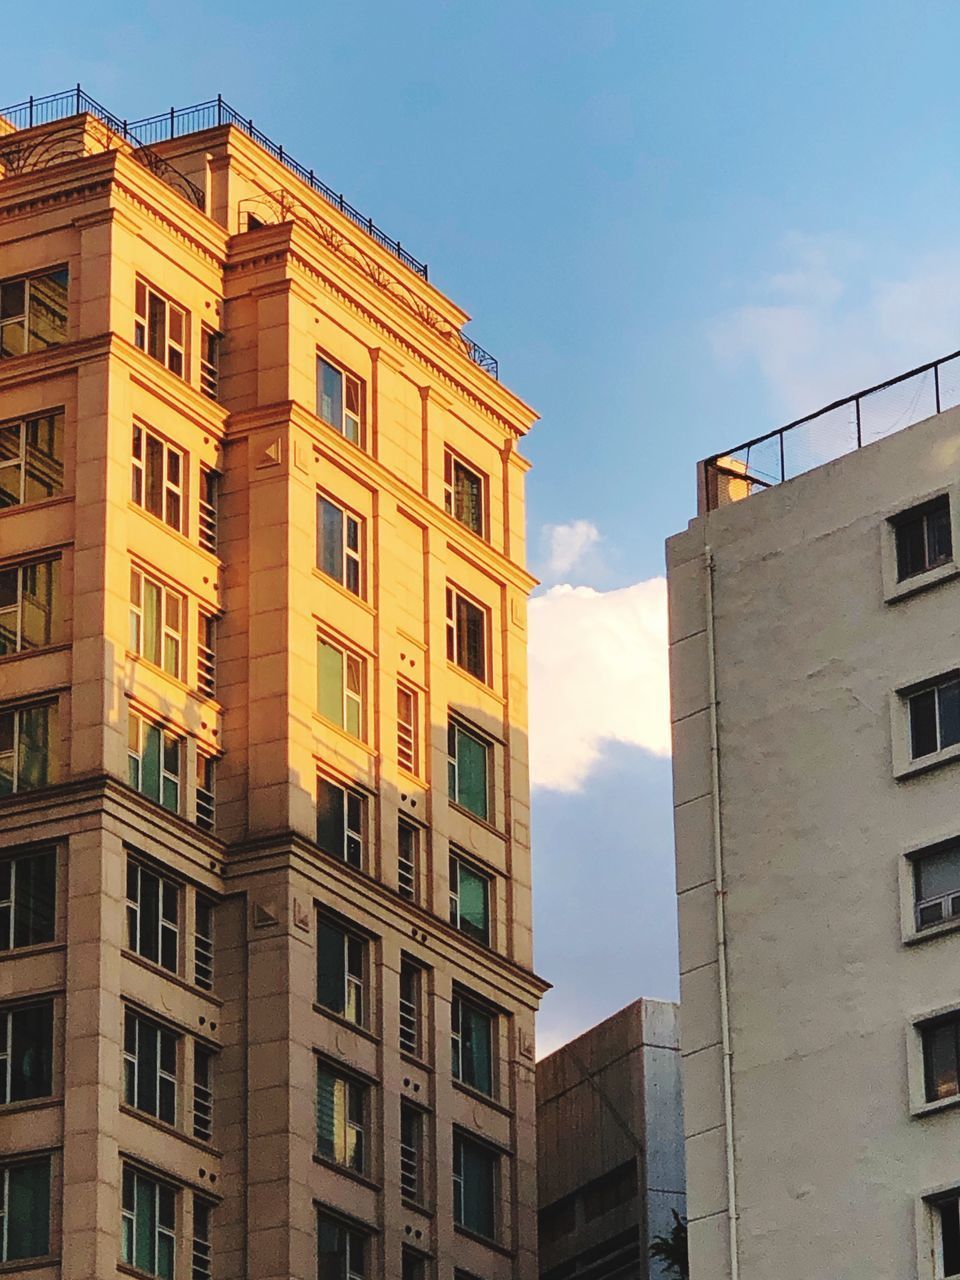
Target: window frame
(349,571)
(167,633)
(21,462)
(458,602)
(350,1113)
(922,515)
(452,461)
(411,1039)
(51,611)
(460,999)
(202,1101)
(175,351)
(411,1154)
(461,1137)
(352,700)
(458,863)
(354,1236)
(167,928)
(137,1178)
(357,434)
(50,759)
(210,341)
(169,739)
(353,833)
(408,729)
(457,729)
(172,510)
(11,902)
(9,1165)
(165,1083)
(354,972)
(8,1035)
(61,269)
(409,843)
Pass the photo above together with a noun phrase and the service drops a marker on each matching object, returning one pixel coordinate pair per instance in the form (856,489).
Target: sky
(677,225)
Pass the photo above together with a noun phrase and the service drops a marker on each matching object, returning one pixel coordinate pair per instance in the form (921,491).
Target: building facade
(610,1146)
(814,659)
(265,952)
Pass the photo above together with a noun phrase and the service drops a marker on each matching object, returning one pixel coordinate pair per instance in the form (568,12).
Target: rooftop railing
(831,432)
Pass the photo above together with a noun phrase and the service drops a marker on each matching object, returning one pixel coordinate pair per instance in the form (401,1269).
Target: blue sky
(676,225)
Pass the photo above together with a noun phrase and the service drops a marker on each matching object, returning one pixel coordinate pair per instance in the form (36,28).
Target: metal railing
(409,1028)
(482,358)
(837,429)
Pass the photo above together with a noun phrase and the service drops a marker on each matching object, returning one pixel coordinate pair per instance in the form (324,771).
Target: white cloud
(598,673)
(567,545)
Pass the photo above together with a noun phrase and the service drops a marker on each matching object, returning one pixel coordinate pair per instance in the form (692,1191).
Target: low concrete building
(610,1146)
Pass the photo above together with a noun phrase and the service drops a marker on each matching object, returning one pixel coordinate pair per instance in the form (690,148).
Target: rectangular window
(947,1217)
(160,329)
(150,1067)
(29,602)
(408,744)
(341,1250)
(201,1268)
(341,971)
(936,884)
(25,1210)
(158,477)
(157,617)
(411,1153)
(413,1265)
(340,822)
(31,459)
(153,914)
(27,899)
(207,654)
(935,717)
(153,762)
(467,634)
(463,493)
(148,1224)
(469,901)
(26,1052)
(210,362)
(408,860)
(28,747)
(468,759)
(33,312)
(202,1093)
(206,804)
(474,1186)
(339,399)
(471,1044)
(341,1124)
(923,537)
(941,1058)
(203,944)
(339,545)
(340,680)
(209,508)
(411,1007)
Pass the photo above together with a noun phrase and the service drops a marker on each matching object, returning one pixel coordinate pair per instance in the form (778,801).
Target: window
(25,1210)
(341,971)
(340,821)
(923,538)
(936,881)
(210,362)
(610,1190)
(411,1153)
(26,1052)
(27,899)
(157,617)
(31,459)
(150,1067)
(463,493)
(161,329)
(471,1044)
(202,1212)
(466,634)
(340,687)
(341,1108)
(29,596)
(411,1006)
(935,717)
(209,508)
(467,769)
(408,850)
(413,1265)
(947,1215)
(339,396)
(203,944)
(469,901)
(28,751)
(474,1186)
(941,1058)
(157,479)
(207,654)
(557,1220)
(408,752)
(33,312)
(153,762)
(206,806)
(153,916)
(339,553)
(341,1250)
(148,1223)
(202,1093)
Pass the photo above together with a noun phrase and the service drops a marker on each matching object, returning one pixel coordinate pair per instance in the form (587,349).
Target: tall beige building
(816,703)
(266,996)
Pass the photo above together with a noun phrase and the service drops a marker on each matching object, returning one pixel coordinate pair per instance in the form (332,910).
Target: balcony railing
(831,432)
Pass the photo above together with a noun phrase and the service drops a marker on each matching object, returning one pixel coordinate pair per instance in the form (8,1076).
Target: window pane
(477,1166)
(33,907)
(330,390)
(153,497)
(940,1061)
(474,890)
(13,299)
(949,699)
(471,638)
(330,816)
(37,763)
(938,874)
(950,1236)
(28,1211)
(43,477)
(330,539)
(48,310)
(939,539)
(330,1119)
(330,682)
(331,979)
(476,1047)
(472,787)
(923,723)
(150,761)
(32,1046)
(145,1227)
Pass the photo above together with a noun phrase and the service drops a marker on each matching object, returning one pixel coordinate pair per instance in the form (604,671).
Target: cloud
(598,673)
(567,545)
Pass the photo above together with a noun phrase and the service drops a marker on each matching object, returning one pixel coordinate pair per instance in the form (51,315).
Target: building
(265,954)
(610,1146)
(814,659)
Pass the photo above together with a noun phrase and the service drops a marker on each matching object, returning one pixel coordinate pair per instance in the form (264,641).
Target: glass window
(936,879)
(340,820)
(341,1106)
(148,1224)
(947,1213)
(203,944)
(341,1250)
(468,758)
(153,911)
(472,1044)
(339,397)
(157,618)
(209,362)
(474,1186)
(160,328)
(202,1261)
(339,553)
(941,1058)
(923,538)
(153,762)
(28,747)
(207,654)
(33,312)
(469,901)
(408,744)
(31,459)
(29,603)
(157,478)
(411,1005)
(25,1210)
(341,971)
(202,1093)
(463,493)
(27,899)
(935,718)
(413,1265)
(209,508)
(411,1153)
(408,858)
(467,634)
(340,680)
(150,1067)
(205,797)
(26,1052)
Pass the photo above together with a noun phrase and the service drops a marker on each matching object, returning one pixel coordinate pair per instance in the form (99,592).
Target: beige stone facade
(265,924)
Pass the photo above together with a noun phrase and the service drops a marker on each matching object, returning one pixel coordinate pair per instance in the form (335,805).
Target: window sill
(922,581)
(346,1023)
(455,668)
(59,647)
(484,1240)
(159,971)
(917,936)
(43,505)
(932,1108)
(181,538)
(924,764)
(38,949)
(414,1061)
(20,1265)
(347,1172)
(343,733)
(414,1206)
(477,1095)
(475,817)
(30,1104)
(344,591)
(171,1130)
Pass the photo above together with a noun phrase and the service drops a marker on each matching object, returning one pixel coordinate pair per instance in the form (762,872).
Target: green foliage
(671,1249)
